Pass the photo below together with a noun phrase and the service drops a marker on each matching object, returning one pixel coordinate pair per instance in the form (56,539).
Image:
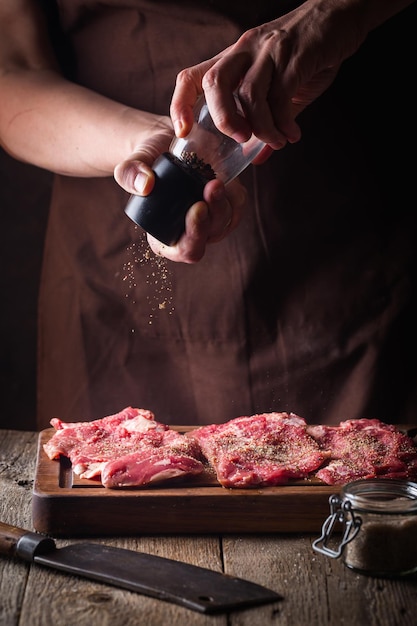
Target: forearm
(65,128)
(53,123)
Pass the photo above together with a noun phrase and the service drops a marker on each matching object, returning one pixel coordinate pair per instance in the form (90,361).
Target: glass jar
(378,520)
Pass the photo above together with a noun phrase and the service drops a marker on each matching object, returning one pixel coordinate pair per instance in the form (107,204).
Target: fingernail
(178,127)
(295,134)
(202,212)
(241,137)
(140,182)
(218,193)
(280,144)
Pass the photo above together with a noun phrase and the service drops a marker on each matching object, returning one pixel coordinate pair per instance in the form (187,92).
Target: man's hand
(278,69)
(206,222)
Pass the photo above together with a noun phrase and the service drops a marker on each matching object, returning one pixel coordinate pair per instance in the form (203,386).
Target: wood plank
(17,466)
(64,506)
(316,589)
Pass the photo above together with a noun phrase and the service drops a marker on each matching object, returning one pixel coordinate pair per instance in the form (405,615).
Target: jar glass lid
(382,495)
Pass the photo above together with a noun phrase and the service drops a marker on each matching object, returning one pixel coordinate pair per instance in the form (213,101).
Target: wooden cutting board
(64,505)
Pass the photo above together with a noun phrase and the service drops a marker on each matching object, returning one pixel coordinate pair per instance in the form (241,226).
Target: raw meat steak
(128,449)
(260,450)
(364,448)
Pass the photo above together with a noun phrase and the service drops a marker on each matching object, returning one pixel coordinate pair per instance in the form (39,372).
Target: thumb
(135,176)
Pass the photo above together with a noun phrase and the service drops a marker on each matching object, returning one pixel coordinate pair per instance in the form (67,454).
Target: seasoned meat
(259,450)
(127,449)
(364,448)
(132,449)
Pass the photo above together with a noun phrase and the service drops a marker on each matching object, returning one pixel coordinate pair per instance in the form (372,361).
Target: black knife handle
(16,541)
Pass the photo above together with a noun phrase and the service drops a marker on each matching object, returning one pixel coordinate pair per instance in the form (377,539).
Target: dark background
(24,200)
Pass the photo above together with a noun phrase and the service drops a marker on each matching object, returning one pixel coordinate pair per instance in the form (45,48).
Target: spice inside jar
(380,527)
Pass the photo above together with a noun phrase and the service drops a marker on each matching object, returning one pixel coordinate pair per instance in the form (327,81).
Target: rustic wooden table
(316,590)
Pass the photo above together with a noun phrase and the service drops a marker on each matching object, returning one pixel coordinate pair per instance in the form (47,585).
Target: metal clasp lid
(342,512)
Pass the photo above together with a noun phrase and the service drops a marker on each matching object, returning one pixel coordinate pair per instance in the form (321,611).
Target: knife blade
(196,588)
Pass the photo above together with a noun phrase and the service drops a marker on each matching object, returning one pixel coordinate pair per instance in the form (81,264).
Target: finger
(253,95)
(220,84)
(263,156)
(201,228)
(186,92)
(283,113)
(283,110)
(191,246)
(225,208)
(266,102)
(135,177)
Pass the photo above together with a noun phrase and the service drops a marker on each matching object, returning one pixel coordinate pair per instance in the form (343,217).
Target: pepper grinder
(182,173)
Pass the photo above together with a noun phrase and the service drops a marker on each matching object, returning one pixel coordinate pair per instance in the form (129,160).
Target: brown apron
(306,307)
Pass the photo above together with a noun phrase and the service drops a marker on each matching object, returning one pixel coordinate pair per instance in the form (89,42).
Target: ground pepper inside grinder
(379,527)
(182,173)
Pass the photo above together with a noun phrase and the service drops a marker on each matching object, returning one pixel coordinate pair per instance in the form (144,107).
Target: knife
(196,588)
